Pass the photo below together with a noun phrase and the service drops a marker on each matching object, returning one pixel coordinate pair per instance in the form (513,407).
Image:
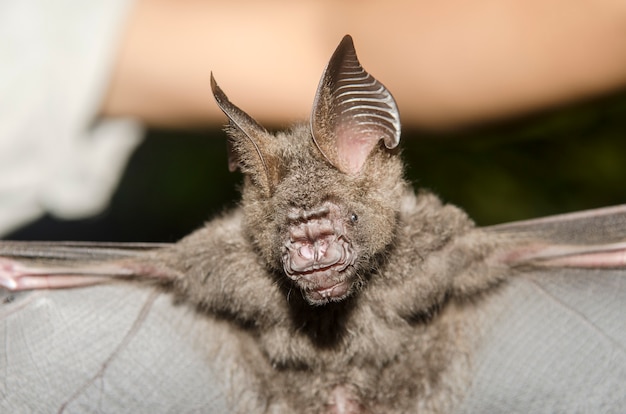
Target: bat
(333,288)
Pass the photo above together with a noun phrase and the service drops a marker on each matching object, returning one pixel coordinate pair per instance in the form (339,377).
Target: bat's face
(326,228)
(321,200)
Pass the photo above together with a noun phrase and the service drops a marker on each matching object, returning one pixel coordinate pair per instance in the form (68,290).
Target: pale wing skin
(48,265)
(555,343)
(555,337)
(119,348)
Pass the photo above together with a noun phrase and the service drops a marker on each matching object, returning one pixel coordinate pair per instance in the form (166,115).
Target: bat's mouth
(321,286)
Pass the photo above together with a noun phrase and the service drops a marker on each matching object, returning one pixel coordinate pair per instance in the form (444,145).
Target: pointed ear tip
(214,86)
(346,43)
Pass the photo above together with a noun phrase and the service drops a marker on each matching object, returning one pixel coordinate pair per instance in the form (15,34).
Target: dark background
(559,161)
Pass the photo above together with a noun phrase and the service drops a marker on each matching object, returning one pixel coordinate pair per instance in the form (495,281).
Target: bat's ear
(352,112)
(248,143)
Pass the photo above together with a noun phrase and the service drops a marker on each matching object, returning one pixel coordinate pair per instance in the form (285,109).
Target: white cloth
(56,156)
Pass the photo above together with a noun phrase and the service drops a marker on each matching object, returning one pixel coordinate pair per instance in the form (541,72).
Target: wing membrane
(47,265)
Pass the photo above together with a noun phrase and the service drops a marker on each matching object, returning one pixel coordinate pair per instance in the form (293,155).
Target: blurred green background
(563,160)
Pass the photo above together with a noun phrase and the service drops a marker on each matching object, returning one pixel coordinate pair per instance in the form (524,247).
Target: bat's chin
(324,295)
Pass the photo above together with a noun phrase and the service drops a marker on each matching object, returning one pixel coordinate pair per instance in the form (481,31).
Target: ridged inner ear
(352,112)
(248,143)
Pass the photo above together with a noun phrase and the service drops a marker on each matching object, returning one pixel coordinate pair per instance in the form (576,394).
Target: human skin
(449,64)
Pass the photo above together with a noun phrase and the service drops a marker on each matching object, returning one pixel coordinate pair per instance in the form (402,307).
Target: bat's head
(321,200)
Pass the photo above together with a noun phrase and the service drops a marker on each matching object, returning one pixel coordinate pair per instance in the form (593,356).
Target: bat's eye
(354,218)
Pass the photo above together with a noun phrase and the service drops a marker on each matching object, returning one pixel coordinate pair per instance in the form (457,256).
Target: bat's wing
(555,334)
(110,348)
(43,265)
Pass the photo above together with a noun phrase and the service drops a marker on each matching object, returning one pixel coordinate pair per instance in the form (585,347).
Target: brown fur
(399,336)
(397,344)
(334,287)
